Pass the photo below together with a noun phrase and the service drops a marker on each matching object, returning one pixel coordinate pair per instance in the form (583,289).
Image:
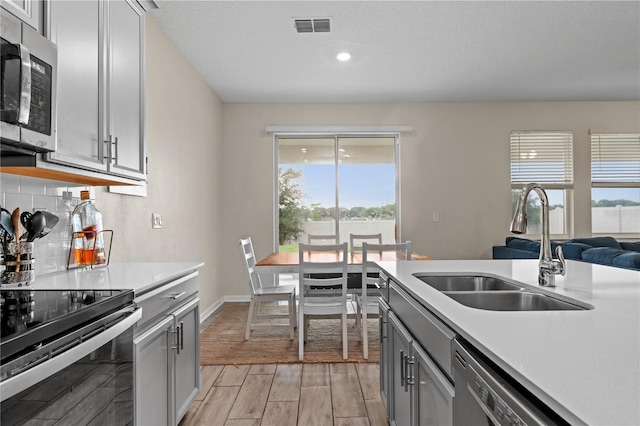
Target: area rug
(222,342)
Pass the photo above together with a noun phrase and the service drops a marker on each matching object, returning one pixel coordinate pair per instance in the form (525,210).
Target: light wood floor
(289,394)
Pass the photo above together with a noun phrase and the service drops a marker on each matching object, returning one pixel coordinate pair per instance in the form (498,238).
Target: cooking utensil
(15,220)
(25,220)
(6,222)
(37,223)
(25,217)
(51,221)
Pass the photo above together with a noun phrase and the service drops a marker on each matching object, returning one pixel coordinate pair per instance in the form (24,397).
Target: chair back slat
(354,239)
(322,239)
(323,266)
(250,263)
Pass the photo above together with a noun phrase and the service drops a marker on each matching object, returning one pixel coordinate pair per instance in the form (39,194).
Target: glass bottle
(87,229)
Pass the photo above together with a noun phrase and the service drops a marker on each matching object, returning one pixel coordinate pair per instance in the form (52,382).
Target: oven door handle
(15,384)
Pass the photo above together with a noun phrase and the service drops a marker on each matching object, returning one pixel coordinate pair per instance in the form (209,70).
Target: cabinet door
(76,27)
(187,369)
(434,394)
(126,80)
(384,354)
(153,368)
(28,11)
(401,392)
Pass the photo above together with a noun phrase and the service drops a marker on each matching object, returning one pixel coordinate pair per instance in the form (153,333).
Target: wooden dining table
(284,263)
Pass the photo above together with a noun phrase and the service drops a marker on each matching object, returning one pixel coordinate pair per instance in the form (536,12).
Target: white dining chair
(260,293)
(367,298)
(321,295)
(356,240)
(322,239)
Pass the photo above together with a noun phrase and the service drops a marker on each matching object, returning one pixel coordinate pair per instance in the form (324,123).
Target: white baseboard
(218,304)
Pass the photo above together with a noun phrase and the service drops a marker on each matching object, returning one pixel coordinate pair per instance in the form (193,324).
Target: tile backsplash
(60,198)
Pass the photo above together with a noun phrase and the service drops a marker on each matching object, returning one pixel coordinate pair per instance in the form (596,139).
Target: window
(336,185)
(545,158)
(615,183)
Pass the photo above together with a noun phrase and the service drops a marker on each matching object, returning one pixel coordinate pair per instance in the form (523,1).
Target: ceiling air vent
(313,25)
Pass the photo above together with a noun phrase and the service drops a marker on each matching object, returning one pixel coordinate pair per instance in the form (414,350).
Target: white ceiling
(249,51)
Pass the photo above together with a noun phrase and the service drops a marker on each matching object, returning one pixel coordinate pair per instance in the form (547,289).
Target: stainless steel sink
(513,301)
(495,294)
(466,283)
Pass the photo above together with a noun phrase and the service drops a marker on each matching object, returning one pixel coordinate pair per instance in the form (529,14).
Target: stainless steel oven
(486,396)
(28,70)
(67,357)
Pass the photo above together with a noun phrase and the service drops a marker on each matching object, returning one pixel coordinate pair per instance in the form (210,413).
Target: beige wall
(184,140)
(454,162)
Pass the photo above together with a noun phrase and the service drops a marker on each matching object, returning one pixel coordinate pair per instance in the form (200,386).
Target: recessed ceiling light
(343,56)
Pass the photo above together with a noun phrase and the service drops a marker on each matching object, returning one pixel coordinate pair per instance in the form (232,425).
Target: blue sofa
(601,250)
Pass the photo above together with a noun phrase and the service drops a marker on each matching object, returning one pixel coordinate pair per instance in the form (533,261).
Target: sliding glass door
(336,185)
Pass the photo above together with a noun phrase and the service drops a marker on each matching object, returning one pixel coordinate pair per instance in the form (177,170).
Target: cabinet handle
(405,366)
(410,380)
(114,159)
(179,337)
(401,368)
(182,336)
(177,296)
(110,142)
(176,334)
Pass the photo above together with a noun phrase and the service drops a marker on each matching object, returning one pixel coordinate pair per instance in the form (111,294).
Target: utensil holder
(19,264)
(81,255)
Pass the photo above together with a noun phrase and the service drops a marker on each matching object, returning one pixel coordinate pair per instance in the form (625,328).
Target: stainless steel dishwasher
(485,396)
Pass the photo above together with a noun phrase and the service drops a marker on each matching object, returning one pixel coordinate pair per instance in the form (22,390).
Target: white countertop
(140,277)
(584,364)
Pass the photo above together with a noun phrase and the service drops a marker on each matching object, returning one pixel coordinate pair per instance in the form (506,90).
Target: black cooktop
(31,317)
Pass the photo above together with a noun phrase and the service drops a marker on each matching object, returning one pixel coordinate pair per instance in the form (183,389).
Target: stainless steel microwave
(28,87)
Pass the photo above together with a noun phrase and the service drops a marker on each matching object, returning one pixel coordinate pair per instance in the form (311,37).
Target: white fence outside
(605,220)
(619,219)
(327,227)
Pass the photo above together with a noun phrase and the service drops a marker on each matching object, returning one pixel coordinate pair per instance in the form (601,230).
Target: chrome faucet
(548,268)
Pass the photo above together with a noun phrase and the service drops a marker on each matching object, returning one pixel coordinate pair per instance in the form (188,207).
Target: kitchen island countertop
(584,364)
(140,277)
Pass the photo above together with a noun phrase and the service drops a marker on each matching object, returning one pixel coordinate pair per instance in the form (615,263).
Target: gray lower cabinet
(384,354)
(167,353)
(100,112)
(402,389)
(415,350)
(187,358)
(153,355)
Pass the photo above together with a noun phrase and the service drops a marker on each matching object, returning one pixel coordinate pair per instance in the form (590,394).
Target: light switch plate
(156,220)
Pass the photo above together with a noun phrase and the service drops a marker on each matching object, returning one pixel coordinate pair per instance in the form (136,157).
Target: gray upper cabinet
(125,106)
(77,30)
(28,11)
(100,86)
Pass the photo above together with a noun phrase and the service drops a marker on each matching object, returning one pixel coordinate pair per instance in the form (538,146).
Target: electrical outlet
(156,220)
(436,216)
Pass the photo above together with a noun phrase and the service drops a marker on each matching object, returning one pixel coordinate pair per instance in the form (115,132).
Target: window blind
(615,158)
(542,157)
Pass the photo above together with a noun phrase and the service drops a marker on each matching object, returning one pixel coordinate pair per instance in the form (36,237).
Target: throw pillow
(631,246)
(598,242)
(523,244)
